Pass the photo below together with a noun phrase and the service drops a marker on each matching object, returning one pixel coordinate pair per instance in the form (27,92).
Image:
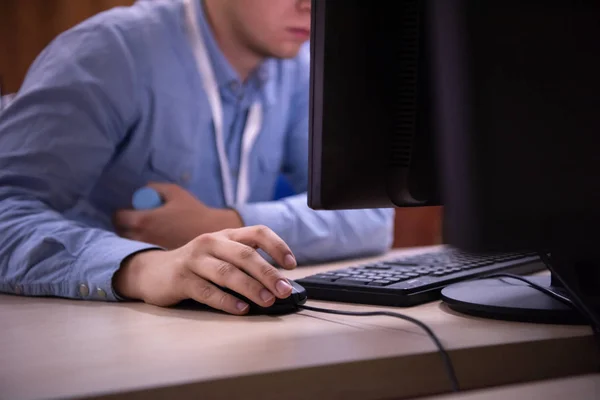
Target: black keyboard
(412,280)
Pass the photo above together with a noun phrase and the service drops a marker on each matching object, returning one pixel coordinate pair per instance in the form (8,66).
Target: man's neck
(242,59)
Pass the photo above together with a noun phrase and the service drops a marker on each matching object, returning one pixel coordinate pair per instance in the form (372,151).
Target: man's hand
(227,259)
(179,220)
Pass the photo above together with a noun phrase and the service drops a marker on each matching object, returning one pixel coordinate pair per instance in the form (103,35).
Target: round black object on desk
(510,299)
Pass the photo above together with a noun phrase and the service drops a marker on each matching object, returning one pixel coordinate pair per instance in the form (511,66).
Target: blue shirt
(116,102)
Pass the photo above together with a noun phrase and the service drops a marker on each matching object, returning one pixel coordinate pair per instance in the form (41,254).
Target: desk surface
(55,348)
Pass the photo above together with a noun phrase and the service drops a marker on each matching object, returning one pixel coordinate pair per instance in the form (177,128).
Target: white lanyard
(253,122)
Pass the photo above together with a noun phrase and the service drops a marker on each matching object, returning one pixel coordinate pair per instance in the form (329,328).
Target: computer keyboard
(416,279)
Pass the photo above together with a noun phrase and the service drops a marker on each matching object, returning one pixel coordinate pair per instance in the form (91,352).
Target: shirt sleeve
(317,235)
(56,137)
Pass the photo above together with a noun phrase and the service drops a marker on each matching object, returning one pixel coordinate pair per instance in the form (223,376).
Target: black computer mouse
(281,306)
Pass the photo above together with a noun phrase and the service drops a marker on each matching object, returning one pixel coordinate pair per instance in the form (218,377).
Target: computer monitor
(364,150)
(490,108)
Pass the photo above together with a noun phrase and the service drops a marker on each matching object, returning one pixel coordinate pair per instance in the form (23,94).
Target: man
(206,102)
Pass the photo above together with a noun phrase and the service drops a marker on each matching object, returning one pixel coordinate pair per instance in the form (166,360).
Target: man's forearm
(44,254)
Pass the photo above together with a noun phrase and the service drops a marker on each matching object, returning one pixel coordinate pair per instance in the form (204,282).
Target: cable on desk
(445,357)
(563,299)
(577,305)
(546,291)
(556,296)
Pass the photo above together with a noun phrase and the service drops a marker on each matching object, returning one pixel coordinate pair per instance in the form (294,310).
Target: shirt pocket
(170,161)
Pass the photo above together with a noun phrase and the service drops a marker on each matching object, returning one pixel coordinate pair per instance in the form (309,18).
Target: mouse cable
(443,353)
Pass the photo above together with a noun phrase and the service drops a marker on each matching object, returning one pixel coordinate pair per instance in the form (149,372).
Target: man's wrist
(127,281)
(230,219)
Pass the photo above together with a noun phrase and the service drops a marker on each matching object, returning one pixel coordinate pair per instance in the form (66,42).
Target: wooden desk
(53,348)
(584,387)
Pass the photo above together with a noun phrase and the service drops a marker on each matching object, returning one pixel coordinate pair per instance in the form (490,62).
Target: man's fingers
(248,260)
(167,191)
(262,237)
(205,292)
(131,235)
(226,274)
(120,230)
(132,225)
(130,220)
(138,237)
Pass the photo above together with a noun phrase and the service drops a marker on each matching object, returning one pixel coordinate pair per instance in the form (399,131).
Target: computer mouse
(281,306)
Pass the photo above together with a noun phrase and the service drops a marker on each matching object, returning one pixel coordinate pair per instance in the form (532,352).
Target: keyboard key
(353,281)
(322,278)
(478,264)
(380,282)
(402,264)
(396,280)
(378,266)
(405,269)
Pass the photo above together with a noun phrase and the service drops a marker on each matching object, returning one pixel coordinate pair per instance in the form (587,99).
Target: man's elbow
(345,235)
(381,246)
(380,233)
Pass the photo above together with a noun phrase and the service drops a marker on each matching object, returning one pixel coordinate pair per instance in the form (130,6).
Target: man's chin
(287,51)
(283,51)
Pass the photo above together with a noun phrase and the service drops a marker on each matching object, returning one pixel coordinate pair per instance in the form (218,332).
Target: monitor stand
(510,299)
(575,274)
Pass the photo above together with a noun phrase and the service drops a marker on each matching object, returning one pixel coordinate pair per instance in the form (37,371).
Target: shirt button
(101,293)
(18,290)
(84,291)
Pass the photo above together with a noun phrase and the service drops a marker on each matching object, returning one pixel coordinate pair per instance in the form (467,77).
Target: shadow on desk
(186,310)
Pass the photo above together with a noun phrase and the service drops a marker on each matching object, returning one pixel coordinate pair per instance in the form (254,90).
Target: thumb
(167,191)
